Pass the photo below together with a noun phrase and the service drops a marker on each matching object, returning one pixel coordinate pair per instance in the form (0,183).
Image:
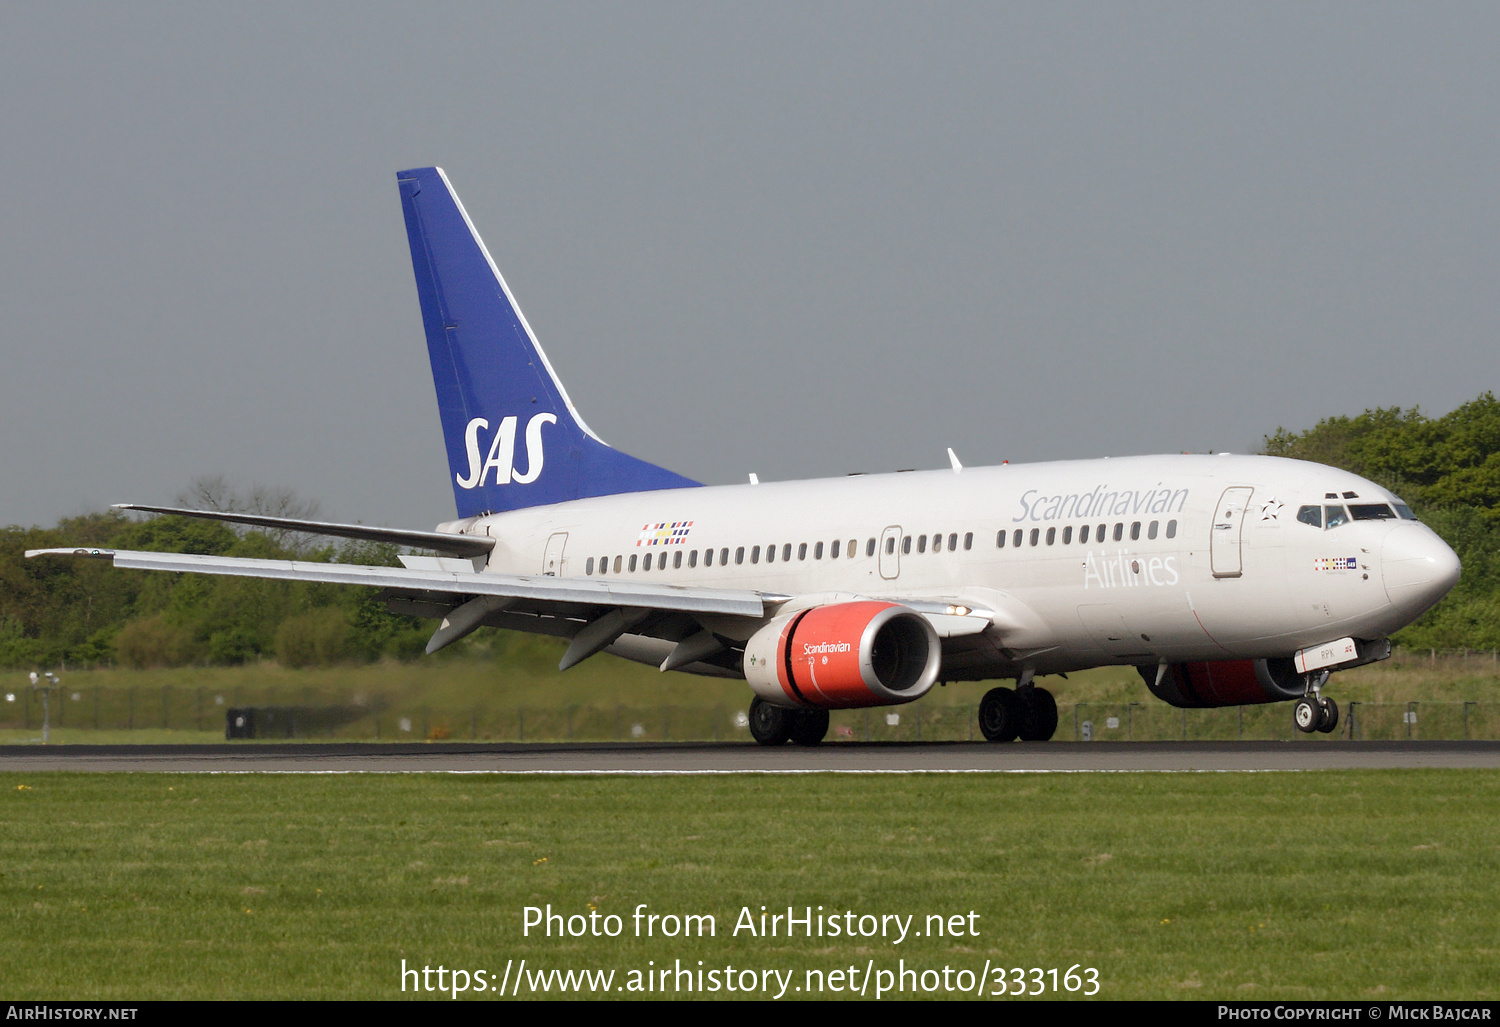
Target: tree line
(84,611)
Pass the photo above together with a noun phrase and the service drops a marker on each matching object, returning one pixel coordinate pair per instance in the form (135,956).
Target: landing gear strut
(776,725)
(1315,711)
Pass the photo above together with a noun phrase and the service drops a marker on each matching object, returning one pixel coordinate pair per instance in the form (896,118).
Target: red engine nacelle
(845,655)
(1225,683)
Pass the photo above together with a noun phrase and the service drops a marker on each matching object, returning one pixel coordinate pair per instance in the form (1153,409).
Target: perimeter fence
(308,713)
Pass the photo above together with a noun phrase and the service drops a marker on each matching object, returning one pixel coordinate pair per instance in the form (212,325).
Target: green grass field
(1276,885)
(521,695)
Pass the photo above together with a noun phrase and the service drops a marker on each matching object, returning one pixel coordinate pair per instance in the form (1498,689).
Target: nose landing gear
(1315,711)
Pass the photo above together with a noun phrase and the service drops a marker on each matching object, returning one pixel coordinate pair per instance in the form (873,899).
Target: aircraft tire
(1306,715)
(999,715)
(1328,715)
(1038,715)
(770,725)
(809,727)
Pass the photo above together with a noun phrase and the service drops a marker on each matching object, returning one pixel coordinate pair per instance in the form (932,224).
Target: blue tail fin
(513,437)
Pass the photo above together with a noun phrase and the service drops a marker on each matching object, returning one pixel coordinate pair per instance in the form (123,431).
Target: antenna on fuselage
(953,459)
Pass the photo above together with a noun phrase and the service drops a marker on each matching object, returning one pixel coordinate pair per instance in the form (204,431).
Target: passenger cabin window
(632,562)
(1171,529)
(770,554)
(906,546)
(1015,539)
(724,557)
(869,548)
(588,567)
(833,549)
(677,559)
(1083,534)
(1151,531)
(693,558)
(890,545)
(1371,512)
(739,555)
(755,554)
(1135,531)
(786,551)
(952,541)
(802,551)
(1000,539)
(1051,536)
(617,564)
(1036,534)
(708,557)
(645,564)
(921,543)
(818,551)
(1068,535)
(1311,515)
(1119,531)
(1333,516)
(854,548)
(968,540)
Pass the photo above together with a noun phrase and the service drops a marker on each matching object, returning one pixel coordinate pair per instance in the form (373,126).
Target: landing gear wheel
(1306,715)
(809,726)
(770,725)
(1038,714)
(1328,715)
(1000,715)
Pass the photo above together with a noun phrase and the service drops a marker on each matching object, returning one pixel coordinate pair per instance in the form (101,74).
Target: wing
(592,612)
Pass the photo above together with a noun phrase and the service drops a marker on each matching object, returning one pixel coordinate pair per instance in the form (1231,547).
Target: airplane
(1224,579)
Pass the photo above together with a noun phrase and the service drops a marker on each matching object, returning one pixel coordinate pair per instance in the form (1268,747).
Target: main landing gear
(1315,711)
(776,725)
(1027,712)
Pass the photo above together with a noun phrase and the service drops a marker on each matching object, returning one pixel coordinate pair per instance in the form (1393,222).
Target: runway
(710,758)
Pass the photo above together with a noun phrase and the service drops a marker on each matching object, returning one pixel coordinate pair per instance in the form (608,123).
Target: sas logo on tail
(502,451)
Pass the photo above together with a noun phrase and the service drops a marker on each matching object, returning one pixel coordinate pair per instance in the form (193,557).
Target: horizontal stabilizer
(441,541)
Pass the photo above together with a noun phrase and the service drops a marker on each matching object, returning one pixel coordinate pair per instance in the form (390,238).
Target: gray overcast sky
(795,239)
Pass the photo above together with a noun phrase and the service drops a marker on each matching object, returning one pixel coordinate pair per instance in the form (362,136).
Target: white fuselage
(1186,557)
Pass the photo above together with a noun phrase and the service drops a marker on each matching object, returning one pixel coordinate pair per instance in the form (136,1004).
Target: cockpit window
(1333,516)
(1311,515)
(1404,512)
(1372,512)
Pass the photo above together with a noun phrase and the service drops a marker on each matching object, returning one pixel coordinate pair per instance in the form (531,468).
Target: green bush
(317,637)
(153,642)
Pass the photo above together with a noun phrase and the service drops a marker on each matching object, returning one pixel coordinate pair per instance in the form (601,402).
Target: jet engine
(1225,683)
(845,655)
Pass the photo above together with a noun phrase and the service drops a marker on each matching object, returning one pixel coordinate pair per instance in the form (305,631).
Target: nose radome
(1418,567)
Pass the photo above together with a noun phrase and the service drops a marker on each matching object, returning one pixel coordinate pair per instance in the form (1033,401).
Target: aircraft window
(906,545)
(1083,535)
(1333,516)
(1351,495)
(632,561)
(833,549)
(1171,529)
(617,564)
(786,551)
(802,551)
(1311,515)
(921,543)
(952,541)
(770,554)
(1119,531)
(1015,539)
(645,565)
(739,555)
(588,567)
(1404,512)
(1000,539)
(1036,533)
(853,549)
(1068,535)
(1330,495)
(724,557)
(1135,531)
(818,551)
(1371,512)
(708,557)
(869,548)
(755,554)
(937,543)
(1051,536)
(1151,531)
(693,558)
(677,559)
(1099,532)
(968,540)
(890,545)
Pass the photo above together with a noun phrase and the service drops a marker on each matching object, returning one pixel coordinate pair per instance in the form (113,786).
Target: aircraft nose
(1418,567)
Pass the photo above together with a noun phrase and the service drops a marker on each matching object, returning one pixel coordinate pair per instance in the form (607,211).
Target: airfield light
(46,683)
